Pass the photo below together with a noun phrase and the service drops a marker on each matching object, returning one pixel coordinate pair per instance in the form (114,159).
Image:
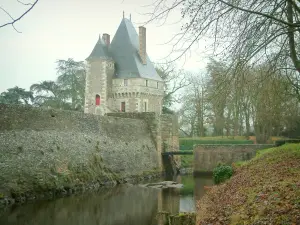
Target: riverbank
(264,190)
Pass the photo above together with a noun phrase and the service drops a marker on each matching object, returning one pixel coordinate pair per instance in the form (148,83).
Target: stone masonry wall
(135,93)
(163,129)
(207,157)
(48,148)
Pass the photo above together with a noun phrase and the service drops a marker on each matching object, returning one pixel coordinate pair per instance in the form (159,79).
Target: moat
(123,204)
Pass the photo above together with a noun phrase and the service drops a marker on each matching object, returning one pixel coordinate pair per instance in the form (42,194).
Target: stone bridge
(207,156)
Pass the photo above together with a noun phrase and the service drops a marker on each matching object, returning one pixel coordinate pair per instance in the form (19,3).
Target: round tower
(100,69)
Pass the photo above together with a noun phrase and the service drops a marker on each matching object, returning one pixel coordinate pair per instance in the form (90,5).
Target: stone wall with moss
(51,149)
(163,130)
(207,157)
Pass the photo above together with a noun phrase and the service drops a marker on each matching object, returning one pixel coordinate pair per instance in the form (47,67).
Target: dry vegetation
(264,190)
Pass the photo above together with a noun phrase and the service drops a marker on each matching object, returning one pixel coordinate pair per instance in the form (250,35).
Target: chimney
(142,43)
(106,39)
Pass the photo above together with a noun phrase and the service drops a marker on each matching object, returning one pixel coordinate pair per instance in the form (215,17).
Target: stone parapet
(137,89)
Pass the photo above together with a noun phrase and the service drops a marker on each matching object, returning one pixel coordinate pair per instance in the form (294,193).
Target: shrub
(222,173)
(285,141)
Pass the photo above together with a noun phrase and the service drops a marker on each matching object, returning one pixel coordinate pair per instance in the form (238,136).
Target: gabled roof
(100,51)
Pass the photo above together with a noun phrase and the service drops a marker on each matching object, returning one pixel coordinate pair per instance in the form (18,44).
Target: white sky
(62,29)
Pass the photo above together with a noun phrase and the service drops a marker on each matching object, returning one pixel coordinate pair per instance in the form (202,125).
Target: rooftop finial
(123,14)
(130,16)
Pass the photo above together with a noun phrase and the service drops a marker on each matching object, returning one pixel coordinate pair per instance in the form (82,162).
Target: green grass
(187,161)
(188,185)
(277,153)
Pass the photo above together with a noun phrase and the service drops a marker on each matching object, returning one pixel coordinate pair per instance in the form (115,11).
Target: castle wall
(163,130)
(48,149)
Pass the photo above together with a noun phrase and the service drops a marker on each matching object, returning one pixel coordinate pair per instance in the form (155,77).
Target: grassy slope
(264,190)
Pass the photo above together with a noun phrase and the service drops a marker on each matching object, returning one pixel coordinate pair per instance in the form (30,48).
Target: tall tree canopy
(67,92)
(71,80)
(248,30)
(16,95)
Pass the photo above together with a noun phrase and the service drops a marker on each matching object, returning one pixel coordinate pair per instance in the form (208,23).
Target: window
(125,82)
(145,106)
(146,83)
(98,100)
(122,106)
(157,85)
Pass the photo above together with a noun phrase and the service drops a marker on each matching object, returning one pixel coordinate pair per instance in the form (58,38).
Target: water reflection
(126,205)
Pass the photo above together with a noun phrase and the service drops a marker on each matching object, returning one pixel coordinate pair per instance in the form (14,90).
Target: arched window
(97,99)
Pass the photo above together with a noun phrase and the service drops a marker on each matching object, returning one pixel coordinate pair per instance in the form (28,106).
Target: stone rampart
(48,149)
(163,130)
(207,157)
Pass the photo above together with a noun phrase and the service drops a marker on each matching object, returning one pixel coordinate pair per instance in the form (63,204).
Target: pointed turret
(100,50)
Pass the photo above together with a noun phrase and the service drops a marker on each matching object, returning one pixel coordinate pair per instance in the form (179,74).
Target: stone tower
(100,70)
(121,76)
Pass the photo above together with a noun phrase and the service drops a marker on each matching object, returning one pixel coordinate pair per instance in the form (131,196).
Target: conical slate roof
(100,51)
(124,51)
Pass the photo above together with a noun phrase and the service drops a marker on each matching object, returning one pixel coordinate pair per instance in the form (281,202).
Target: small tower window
(122,106)
(157,85)
(125,82)
(146,83)
(98,100)
(145,106)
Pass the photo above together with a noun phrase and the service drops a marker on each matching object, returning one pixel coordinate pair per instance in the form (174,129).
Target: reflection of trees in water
(200,182)
(127,206)
(192,191)
(170,200)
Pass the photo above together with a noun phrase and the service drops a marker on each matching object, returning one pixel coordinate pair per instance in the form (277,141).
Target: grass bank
(264,190)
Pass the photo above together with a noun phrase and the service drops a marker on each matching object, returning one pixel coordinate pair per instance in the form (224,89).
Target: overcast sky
(62,29)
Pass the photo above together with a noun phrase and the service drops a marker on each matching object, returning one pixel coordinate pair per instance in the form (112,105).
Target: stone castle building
(120,76)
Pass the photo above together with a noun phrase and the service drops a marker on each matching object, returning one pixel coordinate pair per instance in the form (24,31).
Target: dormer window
(146,83)
(125,82)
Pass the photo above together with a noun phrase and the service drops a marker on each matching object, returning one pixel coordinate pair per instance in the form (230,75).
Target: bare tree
(193,112)
(13,19)
(252,30)
(174,81)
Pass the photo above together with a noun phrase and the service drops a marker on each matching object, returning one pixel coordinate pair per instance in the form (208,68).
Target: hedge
(285,141)
(187,144)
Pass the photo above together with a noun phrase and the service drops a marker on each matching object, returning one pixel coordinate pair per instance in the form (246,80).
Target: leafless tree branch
(14,20)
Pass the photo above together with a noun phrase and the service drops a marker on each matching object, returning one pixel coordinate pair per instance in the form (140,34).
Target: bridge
(207,156)
(178,153)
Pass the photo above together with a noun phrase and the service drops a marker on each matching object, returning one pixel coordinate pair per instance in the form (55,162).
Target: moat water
(121,205)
